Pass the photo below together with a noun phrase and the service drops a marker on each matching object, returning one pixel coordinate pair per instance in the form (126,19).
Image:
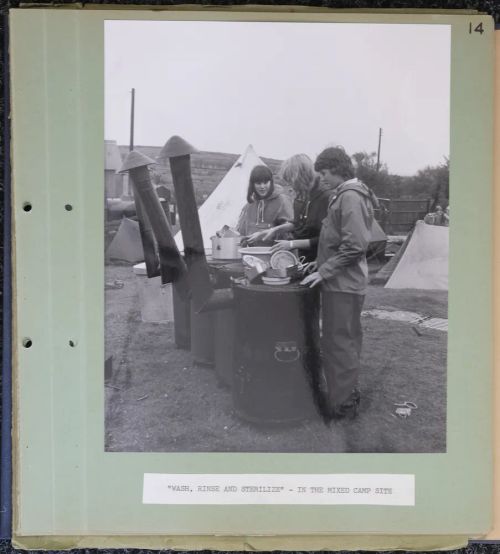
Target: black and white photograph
(276,230)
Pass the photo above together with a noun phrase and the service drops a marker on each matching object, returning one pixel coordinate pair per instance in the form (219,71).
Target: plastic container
(155,299)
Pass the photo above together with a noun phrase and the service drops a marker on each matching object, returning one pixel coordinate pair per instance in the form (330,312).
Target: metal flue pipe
(147,235)
(178,152)
(172,266)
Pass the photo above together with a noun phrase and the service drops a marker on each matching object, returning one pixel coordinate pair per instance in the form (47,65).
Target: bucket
(155,299)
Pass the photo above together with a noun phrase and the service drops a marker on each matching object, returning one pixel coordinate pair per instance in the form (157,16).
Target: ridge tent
(384,273)
(423,263)
(378,241)
(378,234)
(224,205)
(126,244)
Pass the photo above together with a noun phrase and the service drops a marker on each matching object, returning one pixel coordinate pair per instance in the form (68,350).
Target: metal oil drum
(224,324)
(224,346)
(202,337)
(182,319)
(276,352)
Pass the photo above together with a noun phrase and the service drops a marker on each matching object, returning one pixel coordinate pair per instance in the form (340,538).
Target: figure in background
(168,205)
(310,207)
(343,276)
(267,206)
(438,217)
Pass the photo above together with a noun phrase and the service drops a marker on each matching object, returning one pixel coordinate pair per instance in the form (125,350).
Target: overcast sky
(285,88)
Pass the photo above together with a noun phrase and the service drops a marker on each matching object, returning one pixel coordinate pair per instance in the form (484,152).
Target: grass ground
(158,401)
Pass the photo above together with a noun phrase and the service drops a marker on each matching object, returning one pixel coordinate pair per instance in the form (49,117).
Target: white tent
(126,244)
(378,234)
(424,263)
(224,205)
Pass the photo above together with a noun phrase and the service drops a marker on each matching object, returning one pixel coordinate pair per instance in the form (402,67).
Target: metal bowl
(261,252)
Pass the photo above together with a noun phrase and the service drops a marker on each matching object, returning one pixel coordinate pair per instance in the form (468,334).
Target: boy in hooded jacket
(343,276)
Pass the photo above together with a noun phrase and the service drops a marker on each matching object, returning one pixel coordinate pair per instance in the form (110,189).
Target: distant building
(113,181)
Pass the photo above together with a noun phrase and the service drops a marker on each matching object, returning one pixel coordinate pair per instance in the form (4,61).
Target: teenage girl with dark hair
(267,205)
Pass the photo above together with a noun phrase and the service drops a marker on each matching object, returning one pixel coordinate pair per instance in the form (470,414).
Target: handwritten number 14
(478,29)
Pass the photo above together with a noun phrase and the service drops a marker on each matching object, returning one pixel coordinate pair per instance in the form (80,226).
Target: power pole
(132,107)
(379,143)
(147,235)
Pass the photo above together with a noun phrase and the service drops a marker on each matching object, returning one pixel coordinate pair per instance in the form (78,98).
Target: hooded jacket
(265,213)
(345,236)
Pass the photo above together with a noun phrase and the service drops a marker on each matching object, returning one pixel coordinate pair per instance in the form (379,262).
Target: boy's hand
(312,280)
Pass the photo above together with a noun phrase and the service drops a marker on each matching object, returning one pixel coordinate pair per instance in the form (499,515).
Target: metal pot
(225,248)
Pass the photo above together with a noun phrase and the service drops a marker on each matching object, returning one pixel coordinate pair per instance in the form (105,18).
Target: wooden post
(132,117)
(379,144)
(147,236)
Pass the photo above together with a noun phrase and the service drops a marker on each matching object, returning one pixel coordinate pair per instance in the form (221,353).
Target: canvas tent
(377,242)
(423,262)
(383,275)
(126,244)
(224,205)
(378,234)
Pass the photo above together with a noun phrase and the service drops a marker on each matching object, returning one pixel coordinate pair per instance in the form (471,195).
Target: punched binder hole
(27,343)
(68,207)
(72,343)
(27,206)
